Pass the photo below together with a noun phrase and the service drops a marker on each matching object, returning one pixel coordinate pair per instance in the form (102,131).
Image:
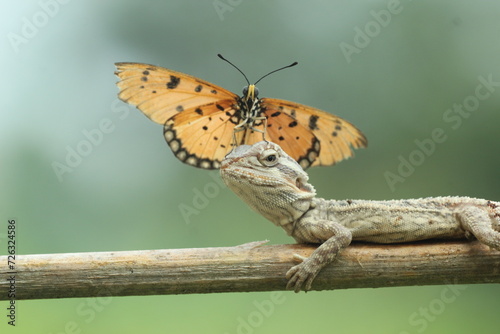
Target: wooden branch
(249,267)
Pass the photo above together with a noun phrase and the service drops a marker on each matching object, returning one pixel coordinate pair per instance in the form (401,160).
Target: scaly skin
(274,185)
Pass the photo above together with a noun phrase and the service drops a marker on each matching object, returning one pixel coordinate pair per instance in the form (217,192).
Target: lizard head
(269,181)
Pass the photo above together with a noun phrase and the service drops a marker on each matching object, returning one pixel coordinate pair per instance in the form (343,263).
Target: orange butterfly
(203,121)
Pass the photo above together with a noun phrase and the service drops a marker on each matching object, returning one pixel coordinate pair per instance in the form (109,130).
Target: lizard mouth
(302,185)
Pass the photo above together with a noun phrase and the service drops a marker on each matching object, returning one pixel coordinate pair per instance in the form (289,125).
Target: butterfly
(202,121)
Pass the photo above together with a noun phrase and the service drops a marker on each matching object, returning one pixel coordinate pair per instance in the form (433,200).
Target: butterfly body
(203,121)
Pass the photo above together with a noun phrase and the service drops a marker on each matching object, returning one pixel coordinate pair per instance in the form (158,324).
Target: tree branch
(249,267)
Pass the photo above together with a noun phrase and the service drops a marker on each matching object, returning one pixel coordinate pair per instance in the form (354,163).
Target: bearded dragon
(274,185)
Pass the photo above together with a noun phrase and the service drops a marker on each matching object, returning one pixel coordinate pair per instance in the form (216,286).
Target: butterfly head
(250,92)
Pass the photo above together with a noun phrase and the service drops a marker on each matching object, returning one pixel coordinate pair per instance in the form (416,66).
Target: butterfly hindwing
(161,93)
(293,137)
(336,136)
(202,136)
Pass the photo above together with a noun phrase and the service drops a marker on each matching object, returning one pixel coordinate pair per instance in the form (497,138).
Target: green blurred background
(125,194)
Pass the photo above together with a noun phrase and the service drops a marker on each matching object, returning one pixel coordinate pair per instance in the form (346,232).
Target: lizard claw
(301,275)
(300,258)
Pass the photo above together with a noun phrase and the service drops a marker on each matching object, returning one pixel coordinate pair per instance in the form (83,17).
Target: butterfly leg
(264,132)
(242,126)
(254,129)
(238,128)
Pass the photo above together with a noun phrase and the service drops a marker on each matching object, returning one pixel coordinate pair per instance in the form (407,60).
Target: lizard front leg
(481,224)
(335,237)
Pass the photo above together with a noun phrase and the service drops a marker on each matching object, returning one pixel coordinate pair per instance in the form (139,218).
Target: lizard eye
(269,158)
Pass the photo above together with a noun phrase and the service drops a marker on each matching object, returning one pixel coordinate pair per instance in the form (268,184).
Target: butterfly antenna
(279,69)
(220,56)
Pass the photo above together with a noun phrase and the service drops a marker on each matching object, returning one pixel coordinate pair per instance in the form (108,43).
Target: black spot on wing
(174,82)
(198,88)
(313,122)
(198,111)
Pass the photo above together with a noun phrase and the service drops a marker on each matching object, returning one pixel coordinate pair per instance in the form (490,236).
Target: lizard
(275,185)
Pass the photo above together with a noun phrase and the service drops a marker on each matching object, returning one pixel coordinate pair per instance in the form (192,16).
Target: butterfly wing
(161,93)
(201,136)
(199,119)
(336,136)
(198,116)
(293,137)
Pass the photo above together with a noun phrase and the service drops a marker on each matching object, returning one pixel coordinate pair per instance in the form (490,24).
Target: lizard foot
(302,275)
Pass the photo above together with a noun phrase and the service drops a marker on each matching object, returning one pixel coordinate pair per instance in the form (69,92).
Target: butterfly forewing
(161,93)
(336,136)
